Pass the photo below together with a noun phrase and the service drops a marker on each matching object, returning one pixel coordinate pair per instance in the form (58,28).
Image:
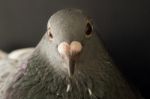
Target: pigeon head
(68,30)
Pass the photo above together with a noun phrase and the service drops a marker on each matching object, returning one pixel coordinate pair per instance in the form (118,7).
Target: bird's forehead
(68,21)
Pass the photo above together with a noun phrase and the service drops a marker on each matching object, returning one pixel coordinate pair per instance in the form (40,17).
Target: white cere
(63,48)
(75,46)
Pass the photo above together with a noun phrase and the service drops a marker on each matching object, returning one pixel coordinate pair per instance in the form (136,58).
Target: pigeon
(70,62)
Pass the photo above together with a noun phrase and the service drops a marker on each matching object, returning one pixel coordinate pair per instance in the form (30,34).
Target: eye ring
(89,30)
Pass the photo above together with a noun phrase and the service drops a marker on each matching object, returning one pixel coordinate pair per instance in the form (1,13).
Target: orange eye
(89,30)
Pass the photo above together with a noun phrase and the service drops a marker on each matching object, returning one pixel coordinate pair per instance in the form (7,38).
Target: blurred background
(124,26)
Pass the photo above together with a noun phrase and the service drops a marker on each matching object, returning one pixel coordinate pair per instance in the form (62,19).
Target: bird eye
(50,34)
(89,29)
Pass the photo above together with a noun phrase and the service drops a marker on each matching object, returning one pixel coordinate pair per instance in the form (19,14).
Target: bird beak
(71,66)
(70,53)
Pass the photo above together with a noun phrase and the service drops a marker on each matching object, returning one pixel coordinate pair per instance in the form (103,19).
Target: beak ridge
(71,67)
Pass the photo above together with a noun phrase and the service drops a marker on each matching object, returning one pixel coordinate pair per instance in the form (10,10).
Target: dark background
(124,26)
